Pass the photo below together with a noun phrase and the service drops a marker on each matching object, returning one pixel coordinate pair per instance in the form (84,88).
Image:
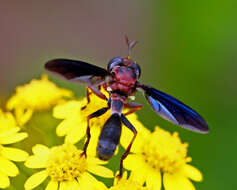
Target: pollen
(65,163)
(165,151)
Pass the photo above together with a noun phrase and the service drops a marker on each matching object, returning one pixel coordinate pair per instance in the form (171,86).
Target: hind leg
(125,154)
(134,107)
(95,114)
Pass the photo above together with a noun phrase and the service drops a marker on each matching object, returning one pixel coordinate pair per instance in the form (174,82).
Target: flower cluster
(37,95)
(159,153)
(154,155)
(9,134)
(66,167)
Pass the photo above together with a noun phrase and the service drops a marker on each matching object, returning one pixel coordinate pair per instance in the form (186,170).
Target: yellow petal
(23,115)
(73,185)
(7,121)
(64,127)
(36,162)
(7,167)
(139,175)
(69,185)
(63,186)
(100,170)
(177,182)
(67,109)
(153,179)
(41,150)
(91,149)
(52,185)
(11,102)
(94,160)
(136,164)
(192,172)
(100,186)
(13,138)
(4,181)
(76,133)
(14,154)
(6,133)
(134,161)
(87,181)
(36,179)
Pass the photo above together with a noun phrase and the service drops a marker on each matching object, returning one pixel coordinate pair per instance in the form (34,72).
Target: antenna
(130,45)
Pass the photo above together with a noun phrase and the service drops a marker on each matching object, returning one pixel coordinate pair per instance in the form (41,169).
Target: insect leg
(97,92)
(95,114)
(134,107)
(125,154)
(87,97)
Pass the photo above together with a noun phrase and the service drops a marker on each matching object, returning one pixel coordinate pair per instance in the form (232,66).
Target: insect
(121,82)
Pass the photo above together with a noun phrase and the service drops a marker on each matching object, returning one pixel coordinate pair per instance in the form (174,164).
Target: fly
(120,80)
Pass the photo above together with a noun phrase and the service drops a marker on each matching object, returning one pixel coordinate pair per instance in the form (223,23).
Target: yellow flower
(37,95)
(9,133)
(162,153)
(66,167)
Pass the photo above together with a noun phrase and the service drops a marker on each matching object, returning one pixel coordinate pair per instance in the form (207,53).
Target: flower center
(65,163)
(165,152)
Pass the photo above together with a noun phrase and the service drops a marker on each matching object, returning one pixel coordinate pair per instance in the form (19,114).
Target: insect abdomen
(109,137)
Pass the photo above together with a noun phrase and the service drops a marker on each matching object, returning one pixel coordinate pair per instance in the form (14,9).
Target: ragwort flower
(66,167)
(162,153)
(37,95)
(9,134)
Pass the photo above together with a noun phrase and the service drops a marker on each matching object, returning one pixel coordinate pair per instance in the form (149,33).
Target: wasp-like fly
(121,82)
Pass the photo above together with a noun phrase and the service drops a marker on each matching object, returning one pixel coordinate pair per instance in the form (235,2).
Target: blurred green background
(186,48)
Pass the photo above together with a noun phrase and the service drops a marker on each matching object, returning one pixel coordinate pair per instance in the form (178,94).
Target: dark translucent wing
(175,111)
(75,70)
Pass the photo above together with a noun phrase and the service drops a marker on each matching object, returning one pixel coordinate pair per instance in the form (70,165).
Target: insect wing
(174,110)
(75,70)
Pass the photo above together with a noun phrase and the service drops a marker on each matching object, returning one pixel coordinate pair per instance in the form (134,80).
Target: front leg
(97,92)
(87,97)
